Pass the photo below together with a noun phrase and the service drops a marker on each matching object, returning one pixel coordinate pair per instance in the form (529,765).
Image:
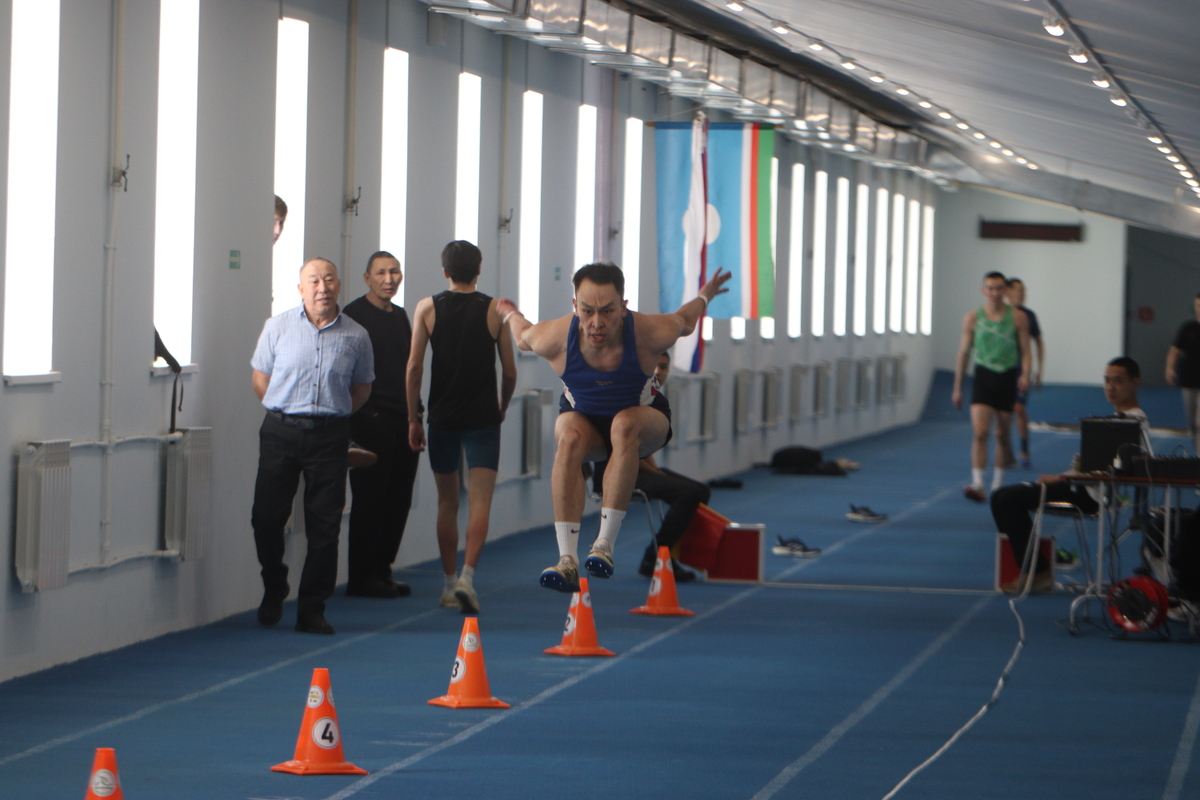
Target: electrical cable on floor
(1027,570)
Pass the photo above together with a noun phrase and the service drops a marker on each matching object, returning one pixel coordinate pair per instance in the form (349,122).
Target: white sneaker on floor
(468,601)
(449,599)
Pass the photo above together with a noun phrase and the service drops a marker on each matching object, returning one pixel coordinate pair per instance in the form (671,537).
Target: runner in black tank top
(464,329)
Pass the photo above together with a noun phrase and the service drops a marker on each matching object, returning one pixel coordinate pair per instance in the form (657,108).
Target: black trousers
(285,452)
(382,495)
(1013,507)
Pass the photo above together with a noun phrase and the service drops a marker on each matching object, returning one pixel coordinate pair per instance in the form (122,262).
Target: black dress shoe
(270,610)
(317,624)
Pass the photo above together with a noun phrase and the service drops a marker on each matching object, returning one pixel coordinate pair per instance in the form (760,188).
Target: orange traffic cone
(319,748)
(579,634)
(663,600)
(468,677)
(105,783)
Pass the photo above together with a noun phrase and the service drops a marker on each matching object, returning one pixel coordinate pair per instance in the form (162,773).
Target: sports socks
(451,581)
(610,525)
(567,534)
(977,478)
(997,478)
(468,576)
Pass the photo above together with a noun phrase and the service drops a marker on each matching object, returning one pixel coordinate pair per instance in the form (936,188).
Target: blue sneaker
(599,562)
(562,577)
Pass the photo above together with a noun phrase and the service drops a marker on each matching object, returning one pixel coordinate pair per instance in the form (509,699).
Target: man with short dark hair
(611,407)
(281,210)
(382,490)
(463,328)
(312,369)
(1016,298)
(1013,506)
(1183,370)
(999,336)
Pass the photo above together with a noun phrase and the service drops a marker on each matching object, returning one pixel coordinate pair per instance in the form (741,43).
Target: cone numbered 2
(319,746)
(579,633)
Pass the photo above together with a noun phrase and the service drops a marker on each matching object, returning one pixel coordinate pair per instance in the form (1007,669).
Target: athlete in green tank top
(996,342)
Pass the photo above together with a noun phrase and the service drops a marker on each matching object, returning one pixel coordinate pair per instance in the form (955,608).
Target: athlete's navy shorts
(995,389)
(603,424)
(480,445)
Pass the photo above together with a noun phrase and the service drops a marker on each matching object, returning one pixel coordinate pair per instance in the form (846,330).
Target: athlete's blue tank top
(604,394)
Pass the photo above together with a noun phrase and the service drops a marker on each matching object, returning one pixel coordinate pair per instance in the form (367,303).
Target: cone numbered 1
(319,746)
(663,599)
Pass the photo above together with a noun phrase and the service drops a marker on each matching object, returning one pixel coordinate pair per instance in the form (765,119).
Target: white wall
(1077,290)
(102,610)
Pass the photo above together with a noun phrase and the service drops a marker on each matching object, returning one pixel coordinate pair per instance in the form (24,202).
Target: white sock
(610,525)
(568,539)
(451,581)
(468,575)
(997,478)
(977,478)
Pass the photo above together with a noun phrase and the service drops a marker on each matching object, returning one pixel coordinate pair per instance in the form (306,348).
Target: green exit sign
(235,259)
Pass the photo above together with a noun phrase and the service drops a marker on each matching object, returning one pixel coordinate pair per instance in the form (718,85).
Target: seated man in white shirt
(1013,506)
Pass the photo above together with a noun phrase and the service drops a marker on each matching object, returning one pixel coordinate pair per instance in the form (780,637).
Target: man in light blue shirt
(312,369)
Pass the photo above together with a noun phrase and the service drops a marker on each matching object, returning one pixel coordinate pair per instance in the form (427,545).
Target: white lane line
(870,704)
(495,719)
(1183,753)
(187,698)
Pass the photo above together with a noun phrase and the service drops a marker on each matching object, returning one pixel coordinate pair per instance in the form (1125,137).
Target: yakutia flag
(740,217)
(679,153)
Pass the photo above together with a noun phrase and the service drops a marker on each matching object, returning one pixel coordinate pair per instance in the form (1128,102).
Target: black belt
(306,422)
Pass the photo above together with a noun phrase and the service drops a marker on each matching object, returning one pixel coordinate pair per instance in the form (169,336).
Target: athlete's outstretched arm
(661,331)
(548,339)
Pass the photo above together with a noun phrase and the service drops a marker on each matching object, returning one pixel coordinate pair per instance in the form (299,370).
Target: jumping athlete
(610,408)
(999,335)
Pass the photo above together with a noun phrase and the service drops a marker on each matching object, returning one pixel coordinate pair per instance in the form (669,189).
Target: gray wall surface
(104,609)
(1164,277)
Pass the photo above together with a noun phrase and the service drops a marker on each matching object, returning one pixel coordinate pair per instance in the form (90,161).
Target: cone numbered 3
(105,782)
(468,676)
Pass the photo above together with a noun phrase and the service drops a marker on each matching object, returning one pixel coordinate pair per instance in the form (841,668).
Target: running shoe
(847,464)
(974,494)
(864,514)
(468,601)
(795,548)
(562,577)
(448,598)
(599,563)
(1065,559)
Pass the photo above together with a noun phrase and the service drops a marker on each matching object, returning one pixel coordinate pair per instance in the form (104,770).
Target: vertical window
(912,271)
(927,272)
(896,311)
(175,181)
(820,231)
(466,182)
(862,210)
(585,187)
(795,299)
(881,260)
(529,225)
(766,326)
(32,175)
(393,163)
(841,256)
(737,327)
(631,239)
(291,148)
(706,329)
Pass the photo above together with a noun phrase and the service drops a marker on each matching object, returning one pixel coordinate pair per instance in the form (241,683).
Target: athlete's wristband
(504,320)
(703,299)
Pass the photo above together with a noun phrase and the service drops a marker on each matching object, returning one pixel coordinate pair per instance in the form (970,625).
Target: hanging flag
(740,217)
(682,203)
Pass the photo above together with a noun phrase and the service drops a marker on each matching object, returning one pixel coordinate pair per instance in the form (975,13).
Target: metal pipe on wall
(349,198)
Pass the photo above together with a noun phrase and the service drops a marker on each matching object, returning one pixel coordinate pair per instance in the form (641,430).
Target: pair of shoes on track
(794,548)
(564,576)
(864,514)
(462,597)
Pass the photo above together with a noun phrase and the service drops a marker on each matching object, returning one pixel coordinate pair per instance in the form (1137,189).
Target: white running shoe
(468,601)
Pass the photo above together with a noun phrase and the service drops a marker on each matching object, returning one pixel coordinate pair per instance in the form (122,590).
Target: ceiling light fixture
(1154,140)
(1185,173)
(962,126)
(1176,164)
(877,78)
(1032,165)
(848,64)
(1021,160)
(1078,55)
(1191,182)
(735,6)
(996,145)
(1101,80)
(978,135)
(903,91)
(1053,25)
(945,115)
(925,104)
(1173,159)
(1007,152)
(813,44)
(1118,100)
(1164,149)
(780,29)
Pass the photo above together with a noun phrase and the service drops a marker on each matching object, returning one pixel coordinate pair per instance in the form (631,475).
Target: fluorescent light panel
(529,224)
(912,268)
(927,271)
(896,315)
(795,295)
(291,148)
(820,232)
(862,213)
(766,325)
(882,206)
(631,239)
(585,187)
(466,175)
(393,162)
(841,256)
(32,176)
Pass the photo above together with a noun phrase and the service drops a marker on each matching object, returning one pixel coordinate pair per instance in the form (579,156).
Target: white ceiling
(991,63)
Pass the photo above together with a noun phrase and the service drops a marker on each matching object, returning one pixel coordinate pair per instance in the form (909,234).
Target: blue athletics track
(833,680)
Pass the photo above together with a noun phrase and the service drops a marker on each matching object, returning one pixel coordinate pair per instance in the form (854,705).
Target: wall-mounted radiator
(43,531)
(188,502)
